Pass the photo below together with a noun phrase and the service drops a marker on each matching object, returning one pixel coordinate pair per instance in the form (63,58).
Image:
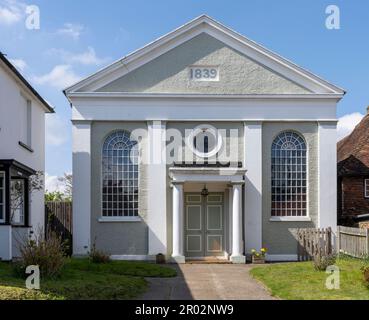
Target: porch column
(178,255)
(237,252)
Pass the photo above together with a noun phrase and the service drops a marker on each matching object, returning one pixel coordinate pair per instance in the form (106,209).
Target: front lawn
(299,281)
(83,280)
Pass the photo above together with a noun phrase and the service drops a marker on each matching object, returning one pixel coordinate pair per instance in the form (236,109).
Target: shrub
(365,271)
(98,256)
(47,253)
(322,262)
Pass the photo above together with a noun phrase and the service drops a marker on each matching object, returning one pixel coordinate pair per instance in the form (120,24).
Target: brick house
(353,174)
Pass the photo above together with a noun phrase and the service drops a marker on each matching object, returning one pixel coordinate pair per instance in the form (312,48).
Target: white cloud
(88,57)
(20,64)
(11,12)
(71,30)
(56,130)
(52,184)
(347,123)
(60,77)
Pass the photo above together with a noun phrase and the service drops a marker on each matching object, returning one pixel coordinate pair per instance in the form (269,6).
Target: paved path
(208,282)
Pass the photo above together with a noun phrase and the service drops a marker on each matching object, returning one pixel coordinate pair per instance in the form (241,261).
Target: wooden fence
(58,219)
(312,242)
(353,241)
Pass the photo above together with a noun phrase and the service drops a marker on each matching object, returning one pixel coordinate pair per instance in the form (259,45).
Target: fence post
(338,240)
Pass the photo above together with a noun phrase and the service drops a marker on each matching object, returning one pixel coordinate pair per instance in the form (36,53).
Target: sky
(77,38)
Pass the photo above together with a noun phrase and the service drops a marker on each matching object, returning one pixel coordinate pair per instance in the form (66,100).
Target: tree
(67,179)
(55,196)
(17,192)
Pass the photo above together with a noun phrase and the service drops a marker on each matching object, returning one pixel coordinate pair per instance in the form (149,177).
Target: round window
(205,141)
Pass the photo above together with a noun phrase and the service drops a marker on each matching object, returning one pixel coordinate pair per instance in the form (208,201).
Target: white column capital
(237,183)
(253,123)
(176,183)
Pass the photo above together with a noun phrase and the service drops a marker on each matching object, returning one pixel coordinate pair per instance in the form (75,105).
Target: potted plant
(160,258)
(258,257)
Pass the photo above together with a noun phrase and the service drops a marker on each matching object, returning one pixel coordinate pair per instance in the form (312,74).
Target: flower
(264,250)
(253,251)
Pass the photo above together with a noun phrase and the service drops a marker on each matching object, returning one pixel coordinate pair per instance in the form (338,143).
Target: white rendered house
(22,155)
(202,144)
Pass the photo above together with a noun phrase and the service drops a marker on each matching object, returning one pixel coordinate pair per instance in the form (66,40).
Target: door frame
(203,232)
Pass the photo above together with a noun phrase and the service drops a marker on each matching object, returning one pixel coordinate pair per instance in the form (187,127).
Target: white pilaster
(327,176)
(178,254)
(157,182)
(237,251)
(81,187)
(253,185)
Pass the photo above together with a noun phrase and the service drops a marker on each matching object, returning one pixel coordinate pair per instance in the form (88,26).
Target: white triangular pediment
(244,67)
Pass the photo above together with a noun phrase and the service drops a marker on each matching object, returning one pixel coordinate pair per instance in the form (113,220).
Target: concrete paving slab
(208,282)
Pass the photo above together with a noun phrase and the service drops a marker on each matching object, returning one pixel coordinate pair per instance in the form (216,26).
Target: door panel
(194,217)
(214,217)
(204,225)
(214,243)
(194,243)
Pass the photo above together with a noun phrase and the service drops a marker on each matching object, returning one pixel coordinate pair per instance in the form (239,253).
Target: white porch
(228,180)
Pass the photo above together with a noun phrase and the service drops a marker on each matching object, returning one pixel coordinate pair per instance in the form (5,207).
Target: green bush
(47,253)
(322,262)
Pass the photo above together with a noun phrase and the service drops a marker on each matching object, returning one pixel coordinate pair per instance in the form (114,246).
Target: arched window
(289,175)
(120,176)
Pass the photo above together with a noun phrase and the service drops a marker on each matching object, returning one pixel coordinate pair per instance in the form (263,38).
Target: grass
(299,281)
(83,280)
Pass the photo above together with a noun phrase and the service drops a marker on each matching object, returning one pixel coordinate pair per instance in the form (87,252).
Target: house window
(120,176)
(26,122)
(17,198)
(289,175)
(366,186)
(2,197)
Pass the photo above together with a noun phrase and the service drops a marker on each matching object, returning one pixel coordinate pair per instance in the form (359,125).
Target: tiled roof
(353,151)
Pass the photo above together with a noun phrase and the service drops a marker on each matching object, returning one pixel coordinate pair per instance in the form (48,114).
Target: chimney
(367,110)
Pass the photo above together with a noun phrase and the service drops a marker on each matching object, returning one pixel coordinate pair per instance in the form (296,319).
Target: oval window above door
(205,141)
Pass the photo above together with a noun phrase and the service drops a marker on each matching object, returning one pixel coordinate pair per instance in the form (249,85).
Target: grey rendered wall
(117,238)
(278,237)
(169,72)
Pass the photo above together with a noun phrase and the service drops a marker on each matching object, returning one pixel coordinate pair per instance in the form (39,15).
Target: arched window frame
(120,195)
(289,200)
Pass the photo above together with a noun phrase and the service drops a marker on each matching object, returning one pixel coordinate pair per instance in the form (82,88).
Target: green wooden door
(204,225)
